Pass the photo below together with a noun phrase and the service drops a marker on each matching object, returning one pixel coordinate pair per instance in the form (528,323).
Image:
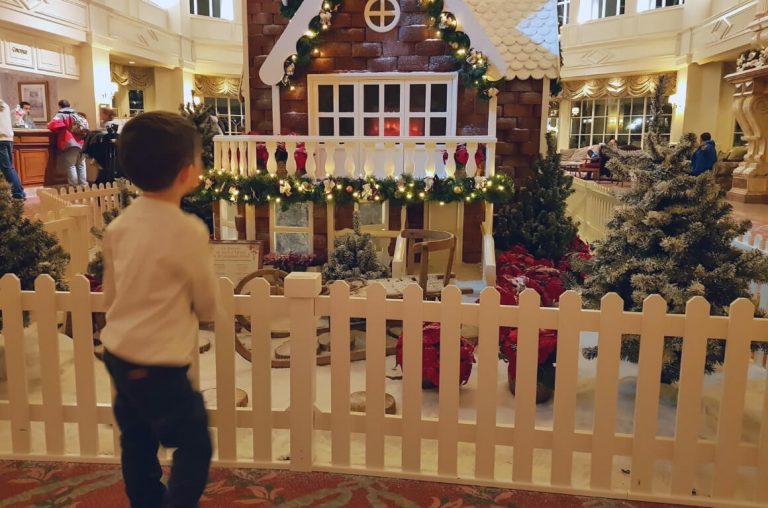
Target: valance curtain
(217,86)
(134,78)
(624,86)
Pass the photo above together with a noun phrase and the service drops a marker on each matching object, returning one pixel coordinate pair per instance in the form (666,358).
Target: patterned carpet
(60,485)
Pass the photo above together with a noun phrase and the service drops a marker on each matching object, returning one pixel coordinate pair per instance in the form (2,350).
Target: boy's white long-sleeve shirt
(158,283)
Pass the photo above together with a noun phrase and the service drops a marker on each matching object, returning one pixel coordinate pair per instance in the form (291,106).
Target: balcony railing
(324,156)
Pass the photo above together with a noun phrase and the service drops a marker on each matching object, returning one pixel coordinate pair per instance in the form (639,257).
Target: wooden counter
(34,157)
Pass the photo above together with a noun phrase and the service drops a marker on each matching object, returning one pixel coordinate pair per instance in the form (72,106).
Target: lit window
(291,228)
(135,102)
(352,106)
(598,121)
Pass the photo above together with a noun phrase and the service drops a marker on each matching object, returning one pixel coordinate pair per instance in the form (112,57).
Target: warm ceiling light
(131,62)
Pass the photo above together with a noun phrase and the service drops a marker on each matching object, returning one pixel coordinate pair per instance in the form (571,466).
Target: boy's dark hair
(153,148)
(24,103)
(63,103)
(706,136)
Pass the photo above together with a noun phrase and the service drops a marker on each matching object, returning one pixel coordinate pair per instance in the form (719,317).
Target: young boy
(158,284)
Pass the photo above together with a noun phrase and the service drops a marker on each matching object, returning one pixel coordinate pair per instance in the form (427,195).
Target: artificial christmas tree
(536,218)
(26,248)
(200,115)
(354,256)
(672,235)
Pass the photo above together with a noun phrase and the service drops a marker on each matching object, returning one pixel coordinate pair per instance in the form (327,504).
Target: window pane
(346,98)
(371,127)
(216,8)
(346,126)
(575,126)
(613,107)
(326,127)
(371,98)
(598,127)
(391,98)
(296,242)
(236,107)
(439,98)
(202,8)
(437,126)
(416,127)
(391,126)
(371,214)
(418,98)
(210,102)
(600,108)
(191,6)
(325,98)
(586,108)
(296,215)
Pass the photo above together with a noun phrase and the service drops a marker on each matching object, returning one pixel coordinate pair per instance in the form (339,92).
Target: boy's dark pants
(157,405)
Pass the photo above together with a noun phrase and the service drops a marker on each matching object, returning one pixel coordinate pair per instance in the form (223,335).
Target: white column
(679,102)
(169,89)
(573,12)
(564,124)
(631,6)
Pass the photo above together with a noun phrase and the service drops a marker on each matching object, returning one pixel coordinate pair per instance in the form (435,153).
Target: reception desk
(34,157)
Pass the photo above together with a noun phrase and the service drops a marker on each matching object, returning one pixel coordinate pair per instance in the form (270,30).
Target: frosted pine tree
(354,256)
(672,235)
(537,218)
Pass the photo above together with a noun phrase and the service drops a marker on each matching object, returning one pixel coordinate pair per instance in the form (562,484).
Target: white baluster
(290,165)
(271,161)
(233,165)
(390,151)
(330,158)
(242,159)
(252,162)
(429,168)
(471,164)
(311,164)
(217,147)
(490,159)
(409,148)
(350,147)
(225,160)
(370,165)
(450,163)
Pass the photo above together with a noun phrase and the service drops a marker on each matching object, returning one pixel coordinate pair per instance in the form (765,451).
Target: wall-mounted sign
(236,258)
(19,54)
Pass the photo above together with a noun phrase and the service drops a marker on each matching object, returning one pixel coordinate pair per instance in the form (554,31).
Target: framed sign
(236,258)
(36,93)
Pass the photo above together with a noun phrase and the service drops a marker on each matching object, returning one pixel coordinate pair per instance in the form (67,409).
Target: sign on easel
(236,258)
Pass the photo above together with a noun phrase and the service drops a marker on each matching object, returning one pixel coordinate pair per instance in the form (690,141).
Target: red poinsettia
(547,348)
(430,370)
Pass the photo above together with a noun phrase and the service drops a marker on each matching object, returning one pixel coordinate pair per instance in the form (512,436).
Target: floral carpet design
(69,485)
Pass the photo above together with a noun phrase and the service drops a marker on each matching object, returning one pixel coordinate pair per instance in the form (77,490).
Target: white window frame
(451,79)
(377,8)
(195,8)
(566,6)
(666,3)
(274,228)
(384,224)
(601,5)
(229,100)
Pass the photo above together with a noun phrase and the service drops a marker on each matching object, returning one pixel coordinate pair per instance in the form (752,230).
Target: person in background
(71,128)
(6,152)
(23,113)
(106,117)
(159,284)
(705,156)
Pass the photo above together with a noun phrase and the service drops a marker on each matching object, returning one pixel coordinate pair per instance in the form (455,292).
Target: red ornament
(349,188)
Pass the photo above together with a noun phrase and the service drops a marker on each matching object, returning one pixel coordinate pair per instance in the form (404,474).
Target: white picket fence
(70,227)
(592,206)
(472,446)
(97,198)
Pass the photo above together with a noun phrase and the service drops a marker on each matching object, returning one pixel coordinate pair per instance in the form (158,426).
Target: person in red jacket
(70,128)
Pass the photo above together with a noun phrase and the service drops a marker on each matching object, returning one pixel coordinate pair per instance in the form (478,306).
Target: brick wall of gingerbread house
(350,46)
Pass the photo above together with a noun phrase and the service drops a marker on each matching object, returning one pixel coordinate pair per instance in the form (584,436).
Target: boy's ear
(184,173)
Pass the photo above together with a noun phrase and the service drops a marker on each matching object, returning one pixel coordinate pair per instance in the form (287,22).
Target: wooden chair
(426,242)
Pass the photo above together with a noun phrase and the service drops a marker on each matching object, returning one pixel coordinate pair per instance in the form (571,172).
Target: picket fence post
(301,289)
(80,237)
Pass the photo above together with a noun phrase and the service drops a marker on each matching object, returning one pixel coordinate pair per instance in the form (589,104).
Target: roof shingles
(525,34)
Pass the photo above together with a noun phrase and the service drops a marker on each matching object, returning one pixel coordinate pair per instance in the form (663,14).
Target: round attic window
(382,15)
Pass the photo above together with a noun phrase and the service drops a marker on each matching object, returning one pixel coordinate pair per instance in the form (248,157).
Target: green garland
(263,188)
(472,64)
